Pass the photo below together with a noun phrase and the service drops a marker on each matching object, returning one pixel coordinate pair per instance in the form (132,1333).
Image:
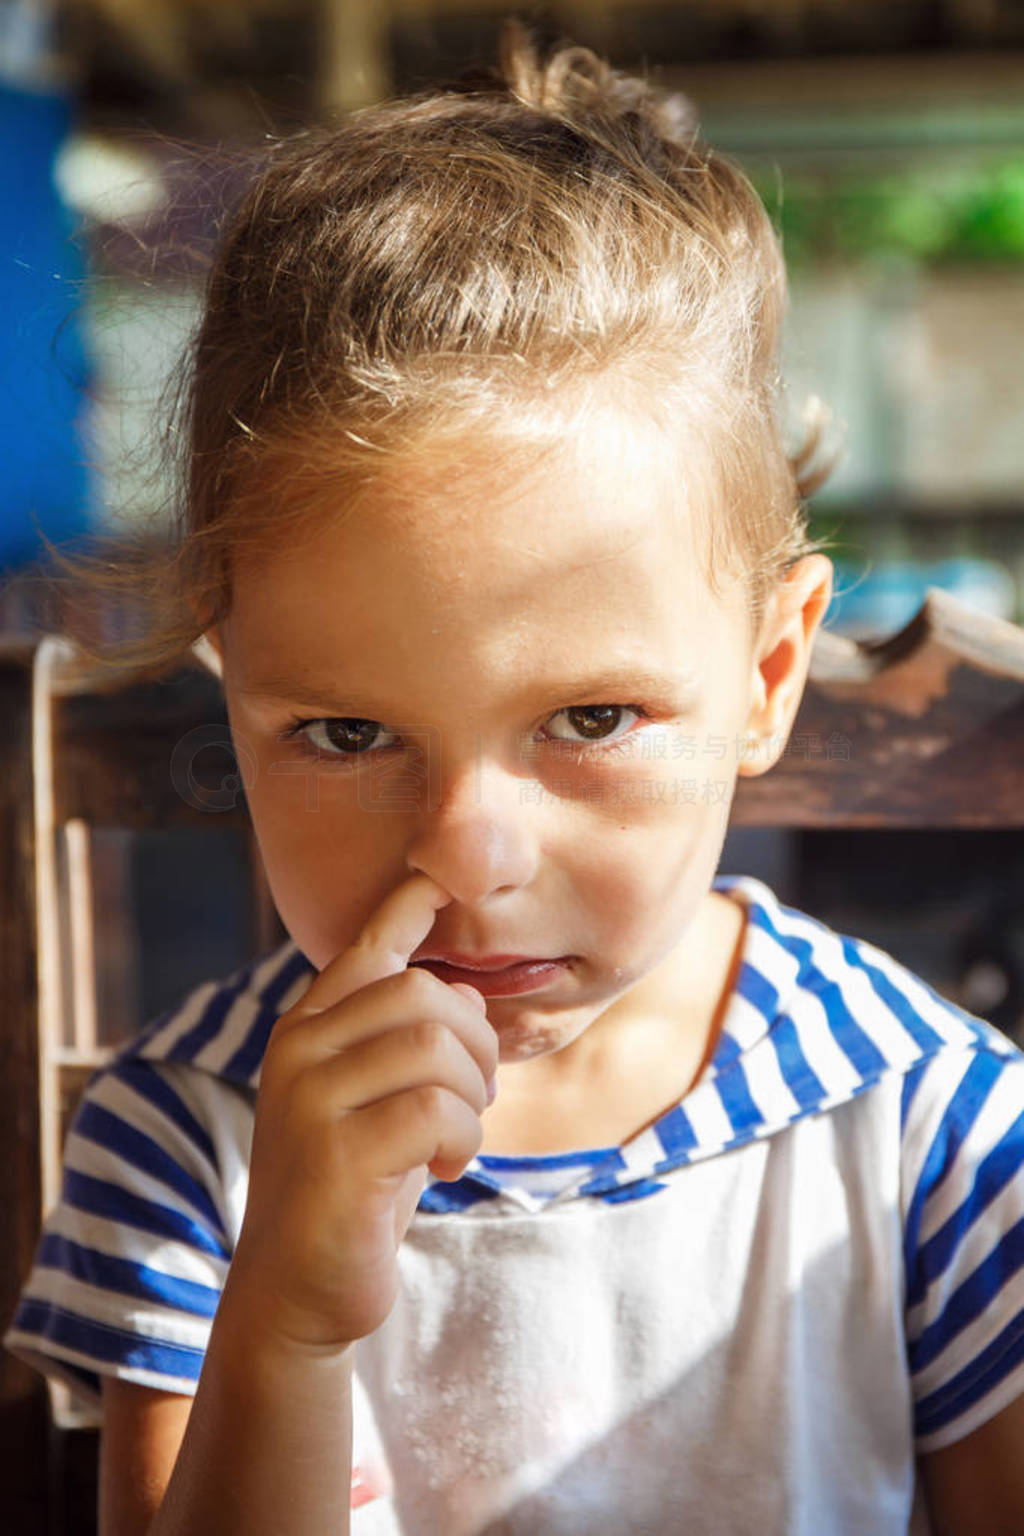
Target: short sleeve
(131,1262)
(963,1216)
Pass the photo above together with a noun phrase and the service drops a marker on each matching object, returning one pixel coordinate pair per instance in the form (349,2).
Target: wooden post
(24,1409)
(355,68)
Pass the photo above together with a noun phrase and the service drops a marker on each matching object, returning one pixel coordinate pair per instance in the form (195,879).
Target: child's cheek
(327,863)
(649,777)
(652,848)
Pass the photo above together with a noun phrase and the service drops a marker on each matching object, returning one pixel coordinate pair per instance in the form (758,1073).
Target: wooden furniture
(85,768)
(923,729)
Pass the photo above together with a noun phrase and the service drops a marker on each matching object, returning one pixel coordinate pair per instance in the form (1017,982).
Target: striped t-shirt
(750,1316)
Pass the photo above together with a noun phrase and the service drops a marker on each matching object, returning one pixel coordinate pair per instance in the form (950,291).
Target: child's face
(559,697)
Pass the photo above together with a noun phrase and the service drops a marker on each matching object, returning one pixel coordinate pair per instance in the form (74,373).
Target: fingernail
(492,1090)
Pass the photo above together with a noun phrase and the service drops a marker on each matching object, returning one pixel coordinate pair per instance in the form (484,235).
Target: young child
(586,1190)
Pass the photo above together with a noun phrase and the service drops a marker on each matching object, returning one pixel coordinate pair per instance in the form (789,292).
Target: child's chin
(524,1036)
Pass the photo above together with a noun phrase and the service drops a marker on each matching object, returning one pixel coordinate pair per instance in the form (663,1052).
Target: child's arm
(142,1434)
(976,1486)
(376,1074)
(266,1446)
(245,1454)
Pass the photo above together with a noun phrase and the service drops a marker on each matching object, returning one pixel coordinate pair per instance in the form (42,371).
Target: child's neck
(633,1063)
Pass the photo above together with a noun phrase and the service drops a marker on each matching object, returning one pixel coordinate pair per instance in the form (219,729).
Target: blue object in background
(877,601)
(43,367)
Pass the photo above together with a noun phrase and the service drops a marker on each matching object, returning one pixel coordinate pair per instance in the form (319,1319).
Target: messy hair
(483,263)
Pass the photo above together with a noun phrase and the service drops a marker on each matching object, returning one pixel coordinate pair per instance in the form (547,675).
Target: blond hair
(478,262)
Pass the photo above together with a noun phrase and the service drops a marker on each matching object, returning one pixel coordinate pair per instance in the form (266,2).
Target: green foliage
(962,214)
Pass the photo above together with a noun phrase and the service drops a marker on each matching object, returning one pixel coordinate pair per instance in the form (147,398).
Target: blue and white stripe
(815,1021)
(963,1163)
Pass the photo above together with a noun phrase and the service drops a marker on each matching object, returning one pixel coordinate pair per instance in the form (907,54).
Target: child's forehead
(584,561)
(603,532)
(581,493)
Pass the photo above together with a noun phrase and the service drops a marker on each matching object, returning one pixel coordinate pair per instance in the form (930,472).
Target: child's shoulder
(222,1026)
(795,966)
(818,1017)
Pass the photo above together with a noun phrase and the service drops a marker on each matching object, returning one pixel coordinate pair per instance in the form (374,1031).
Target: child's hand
(378,1073)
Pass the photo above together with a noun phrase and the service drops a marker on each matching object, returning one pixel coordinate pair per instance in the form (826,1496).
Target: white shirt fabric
(748,1318)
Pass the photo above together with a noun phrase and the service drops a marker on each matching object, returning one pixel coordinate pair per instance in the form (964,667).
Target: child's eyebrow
(624,684)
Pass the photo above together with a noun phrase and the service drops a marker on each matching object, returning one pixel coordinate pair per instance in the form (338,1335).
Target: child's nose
(479,838)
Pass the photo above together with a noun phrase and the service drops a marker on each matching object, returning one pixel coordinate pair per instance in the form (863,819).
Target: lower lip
(527,976)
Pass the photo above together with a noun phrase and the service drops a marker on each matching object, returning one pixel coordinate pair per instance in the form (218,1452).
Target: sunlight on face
(529,694)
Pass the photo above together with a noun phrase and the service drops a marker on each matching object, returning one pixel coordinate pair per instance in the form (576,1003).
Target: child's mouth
(497,975)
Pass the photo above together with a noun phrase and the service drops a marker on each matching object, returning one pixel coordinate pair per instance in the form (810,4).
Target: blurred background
(886,138)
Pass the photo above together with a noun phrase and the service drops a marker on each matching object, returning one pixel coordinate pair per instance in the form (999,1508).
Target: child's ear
(782,656)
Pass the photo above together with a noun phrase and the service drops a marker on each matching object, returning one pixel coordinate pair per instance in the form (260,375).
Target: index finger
(389,936)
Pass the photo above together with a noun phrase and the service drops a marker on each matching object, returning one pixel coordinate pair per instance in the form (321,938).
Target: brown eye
(591,722)
(345,735)
(594,721)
